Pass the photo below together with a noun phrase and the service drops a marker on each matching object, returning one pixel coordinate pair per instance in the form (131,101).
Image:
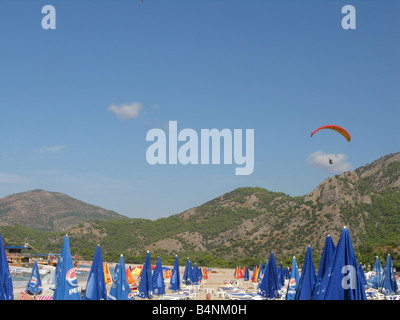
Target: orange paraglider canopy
(342,131)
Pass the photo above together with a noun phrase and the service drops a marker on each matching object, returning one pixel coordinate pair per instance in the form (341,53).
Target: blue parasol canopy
(187,273)
(324,270)
(293,281)
(175,283)
(66,283)
(158,279)
(195,275)
(281,275)
(146,280)
(388,284)
(6,286)
(269,286)
(376,275)
(120,289)
(287,273)
(246,275)
(260,272)
(200,277)
(307,279)
(363,279)
(345,281)
(96,285)
(34,285)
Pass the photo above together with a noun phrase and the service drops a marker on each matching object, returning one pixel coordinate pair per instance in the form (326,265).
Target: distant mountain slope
(50,211)
(251,222)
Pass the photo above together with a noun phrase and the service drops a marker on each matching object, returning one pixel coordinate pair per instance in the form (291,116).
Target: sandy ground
(216,277)
(220,278)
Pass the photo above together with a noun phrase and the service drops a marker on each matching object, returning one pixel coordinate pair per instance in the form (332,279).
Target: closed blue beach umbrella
(158,279)
(34,285)
(6,286)
(376,275)
(388,285)
(66,283)
(175,282)
(146,280)
(324,270)
(345,281)
(293,281)
(96,285)
(120,289)
(308,278)
(269,286)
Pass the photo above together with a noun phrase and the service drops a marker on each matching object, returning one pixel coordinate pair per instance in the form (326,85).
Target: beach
(220,285)
(217,277)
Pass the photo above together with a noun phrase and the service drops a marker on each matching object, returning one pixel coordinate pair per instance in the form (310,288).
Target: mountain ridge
(49,211)
(250,222)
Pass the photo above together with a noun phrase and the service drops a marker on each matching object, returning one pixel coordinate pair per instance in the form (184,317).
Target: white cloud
(126,111)
(52,149)
(320,160)
(10,178)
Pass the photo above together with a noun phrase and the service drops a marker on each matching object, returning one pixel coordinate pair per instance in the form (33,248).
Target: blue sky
(282,68)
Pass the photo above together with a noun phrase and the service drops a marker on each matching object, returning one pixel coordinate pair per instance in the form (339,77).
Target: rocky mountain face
(247,222)
(52,211)
(250,221)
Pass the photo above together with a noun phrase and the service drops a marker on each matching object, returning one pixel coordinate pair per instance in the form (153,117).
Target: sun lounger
(210,290)
(393,297)
(170,297)
(237,295)
(256,297)
(230,288)
(177,296)
(374,294)
(245,296)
